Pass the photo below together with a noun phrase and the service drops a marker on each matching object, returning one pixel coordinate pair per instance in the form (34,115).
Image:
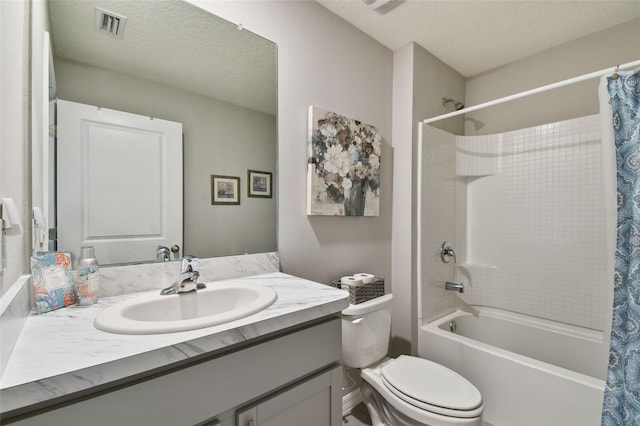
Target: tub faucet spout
(459,287)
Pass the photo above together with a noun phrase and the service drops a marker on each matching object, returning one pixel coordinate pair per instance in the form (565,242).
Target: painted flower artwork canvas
(344,166)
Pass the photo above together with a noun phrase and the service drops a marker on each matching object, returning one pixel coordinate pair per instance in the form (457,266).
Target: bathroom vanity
(278,366)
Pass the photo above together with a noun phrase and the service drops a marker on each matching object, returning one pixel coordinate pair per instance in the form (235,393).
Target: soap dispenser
(87,277)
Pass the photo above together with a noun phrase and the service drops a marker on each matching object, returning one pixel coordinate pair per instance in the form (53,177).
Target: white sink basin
(217,304)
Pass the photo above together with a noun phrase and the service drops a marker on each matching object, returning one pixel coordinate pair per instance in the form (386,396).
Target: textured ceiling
(475,36)
(174,43)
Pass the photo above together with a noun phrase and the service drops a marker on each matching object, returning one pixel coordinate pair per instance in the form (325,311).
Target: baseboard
(350,400)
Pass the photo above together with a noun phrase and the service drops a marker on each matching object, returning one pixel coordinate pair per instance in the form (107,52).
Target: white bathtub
(530,371)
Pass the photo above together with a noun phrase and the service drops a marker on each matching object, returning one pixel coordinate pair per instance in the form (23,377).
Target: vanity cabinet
(306,403)
(293,378)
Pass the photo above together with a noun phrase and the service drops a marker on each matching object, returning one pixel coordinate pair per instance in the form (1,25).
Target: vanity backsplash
(118,280)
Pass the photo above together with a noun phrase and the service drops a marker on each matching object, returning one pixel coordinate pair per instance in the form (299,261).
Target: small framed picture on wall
(225,190)
(259,184)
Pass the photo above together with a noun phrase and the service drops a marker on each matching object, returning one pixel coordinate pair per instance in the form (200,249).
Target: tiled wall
(533,237)
(437,220)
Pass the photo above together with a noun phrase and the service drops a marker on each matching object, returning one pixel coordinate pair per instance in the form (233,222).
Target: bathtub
(530,371)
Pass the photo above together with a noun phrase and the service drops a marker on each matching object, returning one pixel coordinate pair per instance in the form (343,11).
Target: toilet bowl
(406,390)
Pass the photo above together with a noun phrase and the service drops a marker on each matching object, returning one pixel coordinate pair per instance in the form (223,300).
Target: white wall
(420,82)
(598,51)
(14,133)
(322,61)
(219,138)
(403,312)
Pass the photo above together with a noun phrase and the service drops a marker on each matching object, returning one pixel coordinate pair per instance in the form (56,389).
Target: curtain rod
(534,91)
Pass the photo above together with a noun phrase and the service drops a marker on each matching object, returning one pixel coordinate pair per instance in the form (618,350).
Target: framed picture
(343,175)
(225,190)
(258,184)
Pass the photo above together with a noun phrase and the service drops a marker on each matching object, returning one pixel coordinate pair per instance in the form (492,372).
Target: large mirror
(162,61)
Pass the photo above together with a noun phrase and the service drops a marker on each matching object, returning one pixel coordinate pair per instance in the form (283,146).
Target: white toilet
(405,390)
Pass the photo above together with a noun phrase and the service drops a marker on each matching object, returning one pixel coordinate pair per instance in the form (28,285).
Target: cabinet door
(314,402)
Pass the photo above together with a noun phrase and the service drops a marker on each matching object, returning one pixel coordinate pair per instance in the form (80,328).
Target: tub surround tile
(528,221)
(79,358)
(438,181)
(539,223)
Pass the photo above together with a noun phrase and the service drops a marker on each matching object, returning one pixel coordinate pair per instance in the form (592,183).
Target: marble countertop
(61,353)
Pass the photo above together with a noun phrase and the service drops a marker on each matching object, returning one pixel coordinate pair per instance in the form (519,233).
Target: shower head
(456,104)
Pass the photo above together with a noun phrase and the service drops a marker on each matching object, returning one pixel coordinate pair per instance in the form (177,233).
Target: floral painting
(344,166)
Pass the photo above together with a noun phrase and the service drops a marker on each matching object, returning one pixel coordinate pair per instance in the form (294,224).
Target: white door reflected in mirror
(119,183)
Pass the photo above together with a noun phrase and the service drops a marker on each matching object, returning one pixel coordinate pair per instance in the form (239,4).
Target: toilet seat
(425,412)
(431,387)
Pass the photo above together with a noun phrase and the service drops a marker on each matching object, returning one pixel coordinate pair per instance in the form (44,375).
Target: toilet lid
(430,383)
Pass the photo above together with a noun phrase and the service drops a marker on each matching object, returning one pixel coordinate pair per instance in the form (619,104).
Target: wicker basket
(363,292)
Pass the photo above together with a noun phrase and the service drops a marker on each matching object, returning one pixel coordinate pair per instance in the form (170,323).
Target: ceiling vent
(109,23)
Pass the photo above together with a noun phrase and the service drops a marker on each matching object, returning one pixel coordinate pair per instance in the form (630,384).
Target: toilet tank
(366,328)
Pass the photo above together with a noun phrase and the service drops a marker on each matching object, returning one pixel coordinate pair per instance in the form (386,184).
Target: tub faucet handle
(447,253)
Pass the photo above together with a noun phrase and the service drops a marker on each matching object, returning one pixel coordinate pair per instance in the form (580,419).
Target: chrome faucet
(447,253)
(162,254)
(187,280)
(459,287)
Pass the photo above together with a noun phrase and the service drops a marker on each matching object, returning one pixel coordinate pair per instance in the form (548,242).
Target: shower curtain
(621,404)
